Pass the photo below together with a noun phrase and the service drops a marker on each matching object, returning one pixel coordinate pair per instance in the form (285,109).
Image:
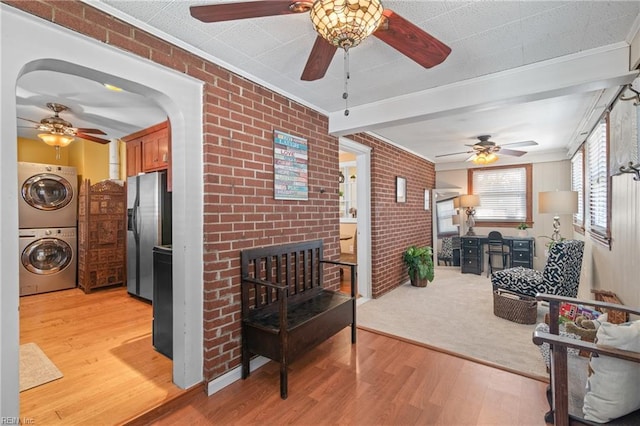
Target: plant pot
(417,281)
(522,233)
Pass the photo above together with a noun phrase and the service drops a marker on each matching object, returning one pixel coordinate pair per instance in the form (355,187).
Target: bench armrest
(352,266)
(540,337)
(249,280)
(597,304)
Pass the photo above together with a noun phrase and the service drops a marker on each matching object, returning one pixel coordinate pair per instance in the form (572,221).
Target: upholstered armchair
(446,252)
(560,277)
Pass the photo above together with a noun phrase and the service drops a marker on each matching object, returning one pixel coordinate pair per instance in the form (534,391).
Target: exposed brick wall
(239,210)
(395,226)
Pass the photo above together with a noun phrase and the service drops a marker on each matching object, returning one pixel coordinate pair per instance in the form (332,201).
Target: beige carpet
(35,368)
(455,313)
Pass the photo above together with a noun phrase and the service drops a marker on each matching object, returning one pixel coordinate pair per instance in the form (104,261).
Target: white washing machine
(47,196)
(47,260)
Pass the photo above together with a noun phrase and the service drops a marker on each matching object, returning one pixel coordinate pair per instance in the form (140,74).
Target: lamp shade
(456,203)
(558,202)
(482,158)
(345,23)
(56,139)
(469,200)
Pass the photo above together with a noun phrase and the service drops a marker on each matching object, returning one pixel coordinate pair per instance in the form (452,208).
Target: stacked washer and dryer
(48,218)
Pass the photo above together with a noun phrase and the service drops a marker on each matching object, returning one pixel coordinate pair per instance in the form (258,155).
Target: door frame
(363,189)
(180,96)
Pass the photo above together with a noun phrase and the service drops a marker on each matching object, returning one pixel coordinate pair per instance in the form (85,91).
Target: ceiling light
(112,87)
(482,158)
(345,23)
(57,140)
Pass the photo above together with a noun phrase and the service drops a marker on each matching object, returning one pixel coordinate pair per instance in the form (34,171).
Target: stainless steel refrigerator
(148,225)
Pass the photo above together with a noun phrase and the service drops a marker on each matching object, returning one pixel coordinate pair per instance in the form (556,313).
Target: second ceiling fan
(484,151)
(339,23)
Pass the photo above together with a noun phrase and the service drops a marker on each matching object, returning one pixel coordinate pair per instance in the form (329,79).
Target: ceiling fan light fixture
(56,139)
(482,158)
(345,23)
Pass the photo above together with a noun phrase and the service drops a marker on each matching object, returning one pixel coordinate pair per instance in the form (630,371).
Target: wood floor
(379,381)
(101,342)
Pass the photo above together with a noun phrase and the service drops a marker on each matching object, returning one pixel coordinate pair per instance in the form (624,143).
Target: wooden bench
(285,309)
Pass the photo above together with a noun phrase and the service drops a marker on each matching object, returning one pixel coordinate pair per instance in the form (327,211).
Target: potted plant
(419,261)
(522,229)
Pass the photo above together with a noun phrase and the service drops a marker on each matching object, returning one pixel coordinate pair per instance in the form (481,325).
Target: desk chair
(496,249)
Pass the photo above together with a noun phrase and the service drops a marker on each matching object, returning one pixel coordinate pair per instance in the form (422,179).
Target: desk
(521,252)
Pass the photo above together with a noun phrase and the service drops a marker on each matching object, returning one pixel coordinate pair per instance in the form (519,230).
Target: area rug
(454,313)
(35,368)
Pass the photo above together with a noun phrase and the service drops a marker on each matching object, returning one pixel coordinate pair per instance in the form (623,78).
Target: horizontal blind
(577,184)
(503,194)
(598,188)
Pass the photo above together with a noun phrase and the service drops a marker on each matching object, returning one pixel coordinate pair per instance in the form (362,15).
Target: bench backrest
(296,266)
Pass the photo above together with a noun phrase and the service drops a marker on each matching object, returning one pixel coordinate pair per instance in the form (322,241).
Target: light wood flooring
(101,342)
(378,381)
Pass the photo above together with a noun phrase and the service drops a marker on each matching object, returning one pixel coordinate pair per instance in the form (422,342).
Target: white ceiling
(519,70)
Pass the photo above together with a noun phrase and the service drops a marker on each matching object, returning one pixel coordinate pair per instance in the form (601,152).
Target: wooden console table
(521,251)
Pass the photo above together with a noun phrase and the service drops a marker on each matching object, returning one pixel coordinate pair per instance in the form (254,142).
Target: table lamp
(557,203)
(468,202)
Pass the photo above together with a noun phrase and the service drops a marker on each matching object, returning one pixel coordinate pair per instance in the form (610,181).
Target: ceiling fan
(56,125)
(334,22)
(484,151)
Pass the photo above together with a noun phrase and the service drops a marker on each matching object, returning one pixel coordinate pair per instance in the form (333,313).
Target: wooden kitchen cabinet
(149,150)
(134,157)
(155,150)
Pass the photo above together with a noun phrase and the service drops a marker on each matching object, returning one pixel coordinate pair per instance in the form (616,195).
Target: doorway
(180,97)
(361,218)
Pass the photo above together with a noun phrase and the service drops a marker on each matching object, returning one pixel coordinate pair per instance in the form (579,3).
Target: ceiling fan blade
(513,152)
(242,10)
(454,153)
(93,131)
(522,143)
(319,60)
(92,138)
(411,41)
(26,119)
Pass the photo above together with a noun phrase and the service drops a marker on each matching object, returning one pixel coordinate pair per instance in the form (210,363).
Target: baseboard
(234,375)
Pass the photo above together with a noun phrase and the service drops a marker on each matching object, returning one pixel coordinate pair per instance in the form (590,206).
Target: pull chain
(345,95)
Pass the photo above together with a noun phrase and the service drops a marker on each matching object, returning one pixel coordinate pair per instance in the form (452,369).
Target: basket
(513,307)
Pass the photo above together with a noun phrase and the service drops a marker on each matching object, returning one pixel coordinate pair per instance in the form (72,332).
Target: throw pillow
(613,388)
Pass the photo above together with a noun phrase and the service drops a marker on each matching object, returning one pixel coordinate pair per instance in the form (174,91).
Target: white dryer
(47,260)
(47,196)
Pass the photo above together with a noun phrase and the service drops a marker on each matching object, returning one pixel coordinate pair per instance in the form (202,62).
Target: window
(444,212)
(505,194)
(577,184)
(597,160)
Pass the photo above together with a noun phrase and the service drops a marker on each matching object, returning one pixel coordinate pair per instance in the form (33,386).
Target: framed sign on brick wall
(290,167)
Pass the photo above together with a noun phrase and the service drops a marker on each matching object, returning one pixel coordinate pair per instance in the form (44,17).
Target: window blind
(503,194)
(577,184)
(598,184)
